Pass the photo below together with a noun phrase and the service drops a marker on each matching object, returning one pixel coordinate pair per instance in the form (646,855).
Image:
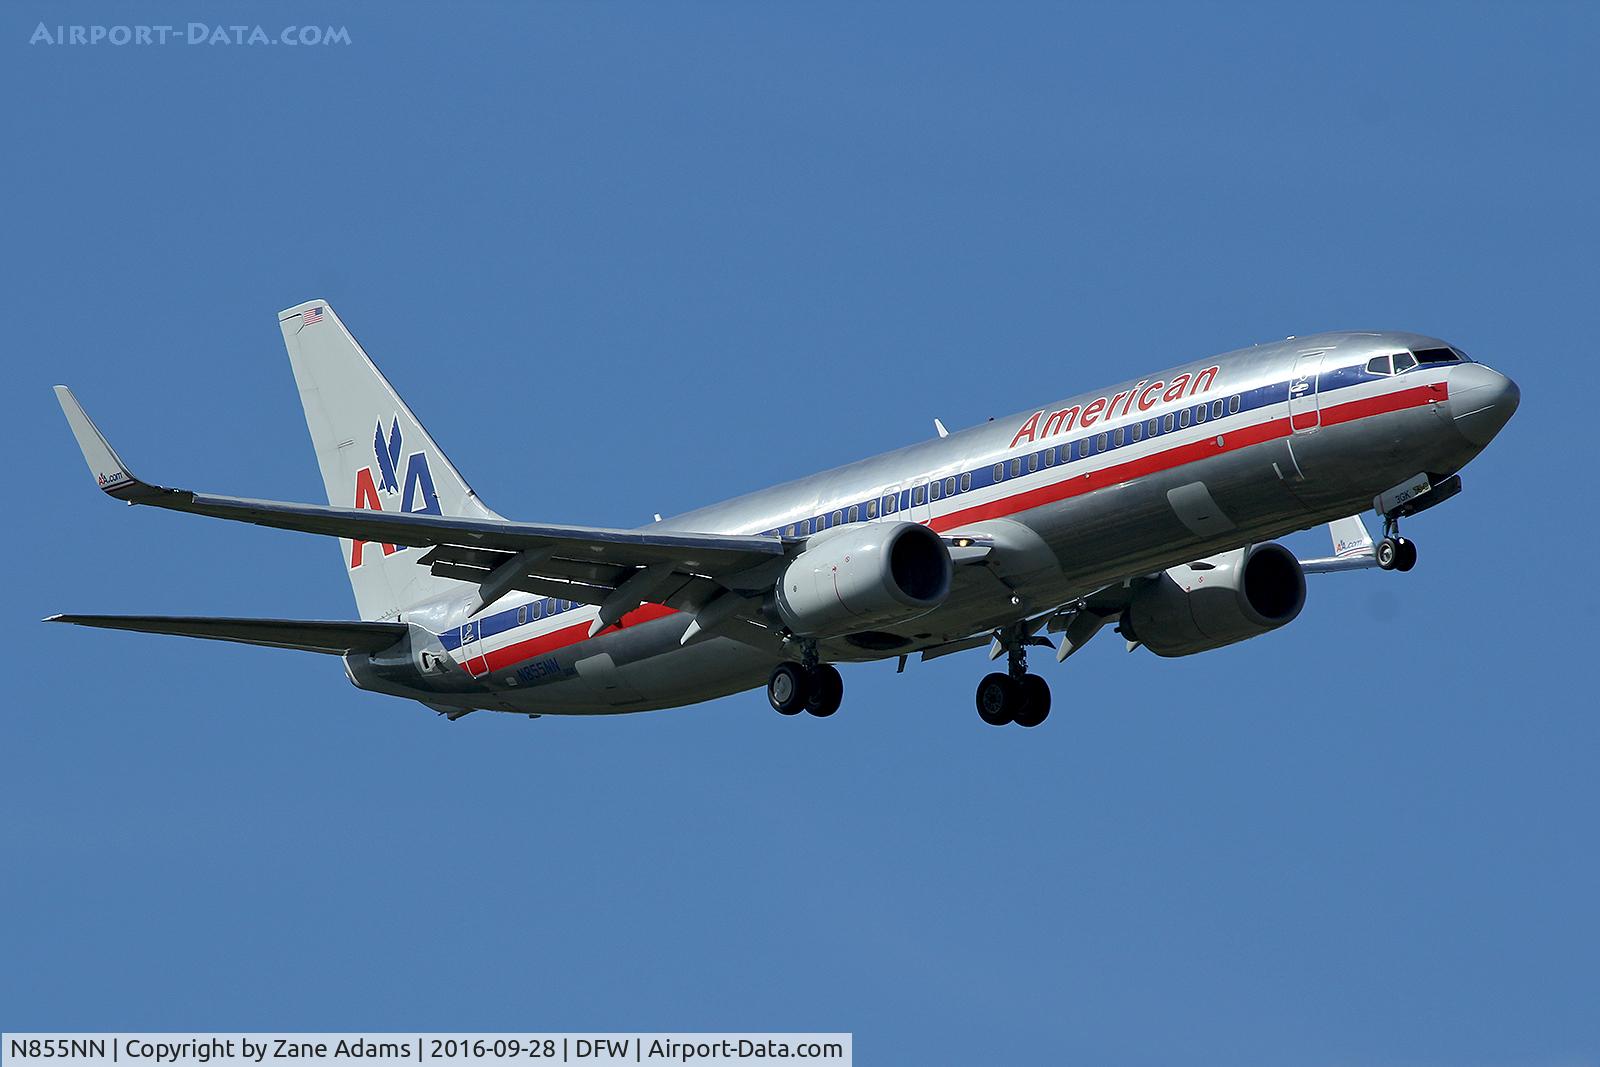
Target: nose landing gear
(1395,553)
(1015,696)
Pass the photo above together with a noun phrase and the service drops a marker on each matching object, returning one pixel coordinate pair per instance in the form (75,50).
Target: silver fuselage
(1292,434)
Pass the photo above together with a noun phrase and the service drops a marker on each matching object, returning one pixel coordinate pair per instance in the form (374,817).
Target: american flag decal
(313,315)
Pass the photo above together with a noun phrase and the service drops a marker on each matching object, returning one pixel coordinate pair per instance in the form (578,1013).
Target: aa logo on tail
(417,495)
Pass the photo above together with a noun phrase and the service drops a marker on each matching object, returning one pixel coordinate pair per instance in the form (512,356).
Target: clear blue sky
(627,259)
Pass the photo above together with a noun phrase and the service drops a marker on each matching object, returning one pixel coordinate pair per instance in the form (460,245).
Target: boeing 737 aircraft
(1150,504)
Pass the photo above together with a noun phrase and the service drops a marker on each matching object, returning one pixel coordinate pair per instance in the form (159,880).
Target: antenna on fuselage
(937,425)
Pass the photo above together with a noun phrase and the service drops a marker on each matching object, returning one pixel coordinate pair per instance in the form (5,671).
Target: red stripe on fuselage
(515,653)
(1077,485)
(1398,400)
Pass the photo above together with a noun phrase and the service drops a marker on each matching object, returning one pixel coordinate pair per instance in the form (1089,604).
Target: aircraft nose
(1482,401)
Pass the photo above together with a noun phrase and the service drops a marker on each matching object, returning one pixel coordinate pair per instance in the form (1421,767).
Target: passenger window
(889,503)
(1065,452)
(1166,423)
(854,514)
(838,517)
(1200,413)
(1100,443)
(1016,467)
(1116,437)
(935,490)
(950,486)
(1216,409)
(1233,404)
(1049,457)
(966,483)
(872,509)
(1379,365)
(999,472)
(1183,418)
(1404,361)
(1135,431)
(919,494)
(522,614)
(1033,462)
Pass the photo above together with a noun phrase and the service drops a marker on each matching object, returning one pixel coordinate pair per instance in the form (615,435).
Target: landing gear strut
(807,686)
(1015,696)
(1395,553)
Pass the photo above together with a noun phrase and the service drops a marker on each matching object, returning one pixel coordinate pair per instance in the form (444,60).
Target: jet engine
(862,577)
(1216,601)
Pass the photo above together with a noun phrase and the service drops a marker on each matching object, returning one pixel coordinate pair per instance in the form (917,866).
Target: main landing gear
(796,687)
(1395,553)
(1015,696)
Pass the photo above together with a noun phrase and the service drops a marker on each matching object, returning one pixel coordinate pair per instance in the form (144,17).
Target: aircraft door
(1304,414)
(472,656)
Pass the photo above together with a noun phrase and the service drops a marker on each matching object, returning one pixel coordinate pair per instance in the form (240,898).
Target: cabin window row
(542,609)
(1017,467)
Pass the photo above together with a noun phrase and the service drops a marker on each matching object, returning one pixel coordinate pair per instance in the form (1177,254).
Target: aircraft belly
(642,668)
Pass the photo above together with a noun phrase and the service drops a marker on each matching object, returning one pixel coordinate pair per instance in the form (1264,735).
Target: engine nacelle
(1217,601)
(863,577)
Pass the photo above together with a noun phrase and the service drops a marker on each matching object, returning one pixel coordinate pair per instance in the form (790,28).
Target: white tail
(374,454)
(1350,537)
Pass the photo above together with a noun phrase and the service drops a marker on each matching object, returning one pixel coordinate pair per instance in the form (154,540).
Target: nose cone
(1482,401)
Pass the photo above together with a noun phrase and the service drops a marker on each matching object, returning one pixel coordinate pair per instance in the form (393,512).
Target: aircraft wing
(1079,621)
(586,564)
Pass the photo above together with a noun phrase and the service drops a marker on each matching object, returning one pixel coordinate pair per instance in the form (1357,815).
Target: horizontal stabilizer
(305,635)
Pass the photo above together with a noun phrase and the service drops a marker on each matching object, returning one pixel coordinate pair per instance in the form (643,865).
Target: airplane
(1150,506)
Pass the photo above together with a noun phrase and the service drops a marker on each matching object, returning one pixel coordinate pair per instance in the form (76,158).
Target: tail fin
(374,454)
(1350,537)
(1352,548)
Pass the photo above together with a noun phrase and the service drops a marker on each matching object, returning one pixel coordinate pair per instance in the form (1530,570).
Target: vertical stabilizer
(374,454)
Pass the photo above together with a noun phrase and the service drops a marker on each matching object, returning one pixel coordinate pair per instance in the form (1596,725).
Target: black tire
(788,689)
(1406,555)
(1035,701)
(997,699)
(1388,553)
(827,690)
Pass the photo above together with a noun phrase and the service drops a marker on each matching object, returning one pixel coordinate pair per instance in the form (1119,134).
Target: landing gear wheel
(1389,553)
(998,698)
(827,690)
(788,688)
(1405,554)
(1035,701)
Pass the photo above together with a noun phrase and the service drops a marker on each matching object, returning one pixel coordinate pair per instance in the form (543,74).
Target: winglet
(110,473)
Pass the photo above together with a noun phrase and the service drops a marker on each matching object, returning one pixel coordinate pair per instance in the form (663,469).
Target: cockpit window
(1437,355)
(1404,361)
(1379,365)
